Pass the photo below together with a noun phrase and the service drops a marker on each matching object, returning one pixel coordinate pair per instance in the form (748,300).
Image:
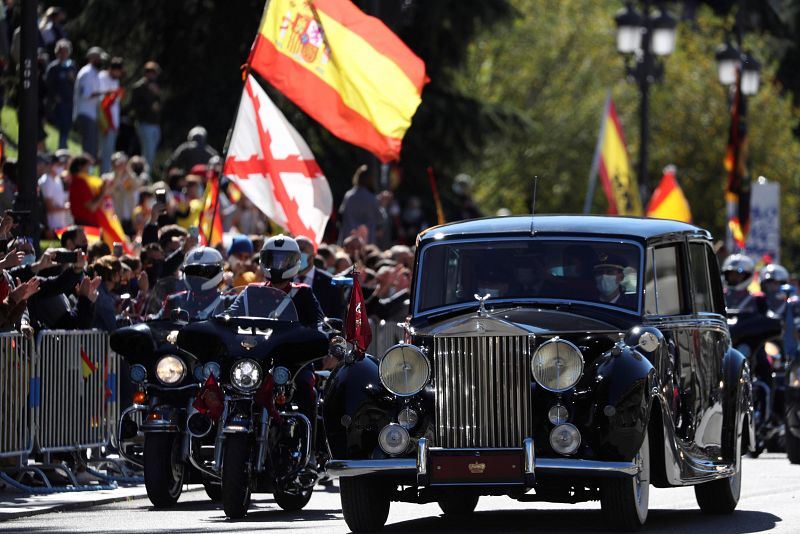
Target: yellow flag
(618,181)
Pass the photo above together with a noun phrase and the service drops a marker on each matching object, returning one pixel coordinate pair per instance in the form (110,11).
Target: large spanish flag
(83,189)
(668,200)
(618,181)
(344,68)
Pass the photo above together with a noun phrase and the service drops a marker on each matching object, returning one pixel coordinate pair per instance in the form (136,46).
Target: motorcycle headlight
(280,375)
(404,370)
(246,375)
(557,365)
(170,370)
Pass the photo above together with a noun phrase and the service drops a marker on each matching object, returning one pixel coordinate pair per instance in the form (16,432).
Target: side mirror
(335,324)
(646,338)
(179,315)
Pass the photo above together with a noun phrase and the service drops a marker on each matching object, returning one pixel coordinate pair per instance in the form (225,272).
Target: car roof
(639,228)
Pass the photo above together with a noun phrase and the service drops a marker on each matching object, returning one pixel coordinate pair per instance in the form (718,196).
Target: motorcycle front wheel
(236,476)
(163,468)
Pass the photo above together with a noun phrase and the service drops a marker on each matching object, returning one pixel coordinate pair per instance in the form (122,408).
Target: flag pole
(587,202)
(436,199)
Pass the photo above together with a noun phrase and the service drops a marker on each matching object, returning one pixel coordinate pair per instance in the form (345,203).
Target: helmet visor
(202,271)
(279,259)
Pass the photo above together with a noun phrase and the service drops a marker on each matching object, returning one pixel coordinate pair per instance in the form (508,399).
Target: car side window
(700,280)
(650,302)
(717,295)
(668,280)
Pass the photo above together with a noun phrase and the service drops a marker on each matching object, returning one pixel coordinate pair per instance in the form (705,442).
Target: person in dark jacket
(146,107)
(329,296)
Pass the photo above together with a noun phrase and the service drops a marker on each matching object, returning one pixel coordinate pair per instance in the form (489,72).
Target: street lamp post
(643,39)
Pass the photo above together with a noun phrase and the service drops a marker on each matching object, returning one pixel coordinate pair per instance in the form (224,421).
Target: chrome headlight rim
(423,383)
(572,346)
(174,359)
(256,383)
(212,368)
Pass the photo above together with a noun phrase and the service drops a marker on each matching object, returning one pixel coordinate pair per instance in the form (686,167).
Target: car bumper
(532,467)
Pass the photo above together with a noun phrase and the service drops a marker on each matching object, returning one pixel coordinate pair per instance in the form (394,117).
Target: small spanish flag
(87,366)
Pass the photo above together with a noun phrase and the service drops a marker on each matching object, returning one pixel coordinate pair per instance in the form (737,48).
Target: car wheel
(236,476)
(163,469)
(292,502)
(720,496)
(792,447)
(458,505)
(365,503)
(625,501)
(213,490)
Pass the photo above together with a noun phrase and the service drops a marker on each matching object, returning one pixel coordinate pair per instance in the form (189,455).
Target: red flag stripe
(322,102)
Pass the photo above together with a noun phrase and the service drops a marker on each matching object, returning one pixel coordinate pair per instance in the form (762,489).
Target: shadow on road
(570,520)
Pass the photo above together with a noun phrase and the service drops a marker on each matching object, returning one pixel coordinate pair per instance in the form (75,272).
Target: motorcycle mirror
(335,324)
(179,315)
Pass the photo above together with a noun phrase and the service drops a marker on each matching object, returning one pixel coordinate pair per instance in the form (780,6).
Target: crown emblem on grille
(476,468)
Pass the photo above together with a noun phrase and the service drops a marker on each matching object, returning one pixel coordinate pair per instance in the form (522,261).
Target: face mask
(28,259)
(58,169)
(331,270)
(303,261)
(606,284)
(234,262)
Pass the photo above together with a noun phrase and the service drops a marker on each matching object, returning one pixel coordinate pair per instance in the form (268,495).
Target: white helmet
(280,258)
(775,272)
(203,268)
(736,265)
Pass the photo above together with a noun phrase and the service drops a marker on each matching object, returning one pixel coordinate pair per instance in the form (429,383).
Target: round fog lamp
(558,414)
(280,375)
(138,373)
(170,370)
(211,368)
(198,374)
(246,375)
(408,418)
(394,439)
(565,439)
(404,370)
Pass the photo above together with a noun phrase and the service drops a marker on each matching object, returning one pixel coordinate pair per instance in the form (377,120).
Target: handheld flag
(613,164)
(211,217)
(357,329)
(668,200)
(344,68)
(272,165)
(85,188)
(105,115)
(737,193)
(87,366)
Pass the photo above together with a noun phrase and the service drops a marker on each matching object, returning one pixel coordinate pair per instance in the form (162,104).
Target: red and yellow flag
(105,115)
(87,365)
(344,68)
(668,200)
(618,181)
(211,217)
(85,188)
(737,190)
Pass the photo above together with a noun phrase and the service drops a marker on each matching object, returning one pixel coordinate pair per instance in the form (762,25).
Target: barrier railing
(74,411)
(16,362)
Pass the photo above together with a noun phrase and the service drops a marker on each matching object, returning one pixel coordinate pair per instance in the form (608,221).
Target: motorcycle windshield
(262,302)
(185,295)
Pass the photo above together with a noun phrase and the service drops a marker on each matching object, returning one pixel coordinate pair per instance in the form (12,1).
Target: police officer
(200,296)
(737,273)
(772,277)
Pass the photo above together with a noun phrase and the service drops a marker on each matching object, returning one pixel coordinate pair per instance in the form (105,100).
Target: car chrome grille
(483,394)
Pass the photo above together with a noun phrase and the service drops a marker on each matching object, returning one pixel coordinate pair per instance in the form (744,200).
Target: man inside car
(608,275)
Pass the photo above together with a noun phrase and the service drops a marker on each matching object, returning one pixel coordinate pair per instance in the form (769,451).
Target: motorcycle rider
(280,263)
(737,274)
(203,270)
(771,278)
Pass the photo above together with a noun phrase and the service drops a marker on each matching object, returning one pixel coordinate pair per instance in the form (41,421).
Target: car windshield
(596,271)
(263,302)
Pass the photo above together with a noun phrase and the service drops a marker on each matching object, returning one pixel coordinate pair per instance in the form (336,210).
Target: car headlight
(246,375)
(170,370)
(404,370)
(557,365)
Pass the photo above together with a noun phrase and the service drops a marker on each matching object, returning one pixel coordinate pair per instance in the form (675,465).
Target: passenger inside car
(609,273)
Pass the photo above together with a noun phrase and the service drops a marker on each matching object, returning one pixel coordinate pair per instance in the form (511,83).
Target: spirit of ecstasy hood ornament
(482,309)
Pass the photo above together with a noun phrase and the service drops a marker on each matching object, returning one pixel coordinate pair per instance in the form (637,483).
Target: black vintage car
(549,358)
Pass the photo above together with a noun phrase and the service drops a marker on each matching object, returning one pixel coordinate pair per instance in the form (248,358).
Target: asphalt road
(770,502)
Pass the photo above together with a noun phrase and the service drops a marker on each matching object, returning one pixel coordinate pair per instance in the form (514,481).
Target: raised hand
(12,259)
(24,291)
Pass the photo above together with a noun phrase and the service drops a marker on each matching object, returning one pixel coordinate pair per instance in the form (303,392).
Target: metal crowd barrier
(75,410)
(16,362)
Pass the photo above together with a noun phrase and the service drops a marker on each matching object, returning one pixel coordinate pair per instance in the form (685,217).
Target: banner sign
(765,230)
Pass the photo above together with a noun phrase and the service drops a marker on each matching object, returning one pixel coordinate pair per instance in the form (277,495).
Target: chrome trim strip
(546,466)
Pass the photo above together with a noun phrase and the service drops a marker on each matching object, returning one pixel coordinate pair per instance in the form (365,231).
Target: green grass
(10,126)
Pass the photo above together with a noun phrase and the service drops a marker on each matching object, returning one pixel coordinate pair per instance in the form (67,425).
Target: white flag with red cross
(272,165)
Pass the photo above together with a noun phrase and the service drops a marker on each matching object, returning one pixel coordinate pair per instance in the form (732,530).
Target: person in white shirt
(87,96)
(109,124)
(55,198)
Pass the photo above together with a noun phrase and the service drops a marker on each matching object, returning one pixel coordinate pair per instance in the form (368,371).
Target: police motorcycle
(790,374)
(264,442)
(152,432)
(756,325)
